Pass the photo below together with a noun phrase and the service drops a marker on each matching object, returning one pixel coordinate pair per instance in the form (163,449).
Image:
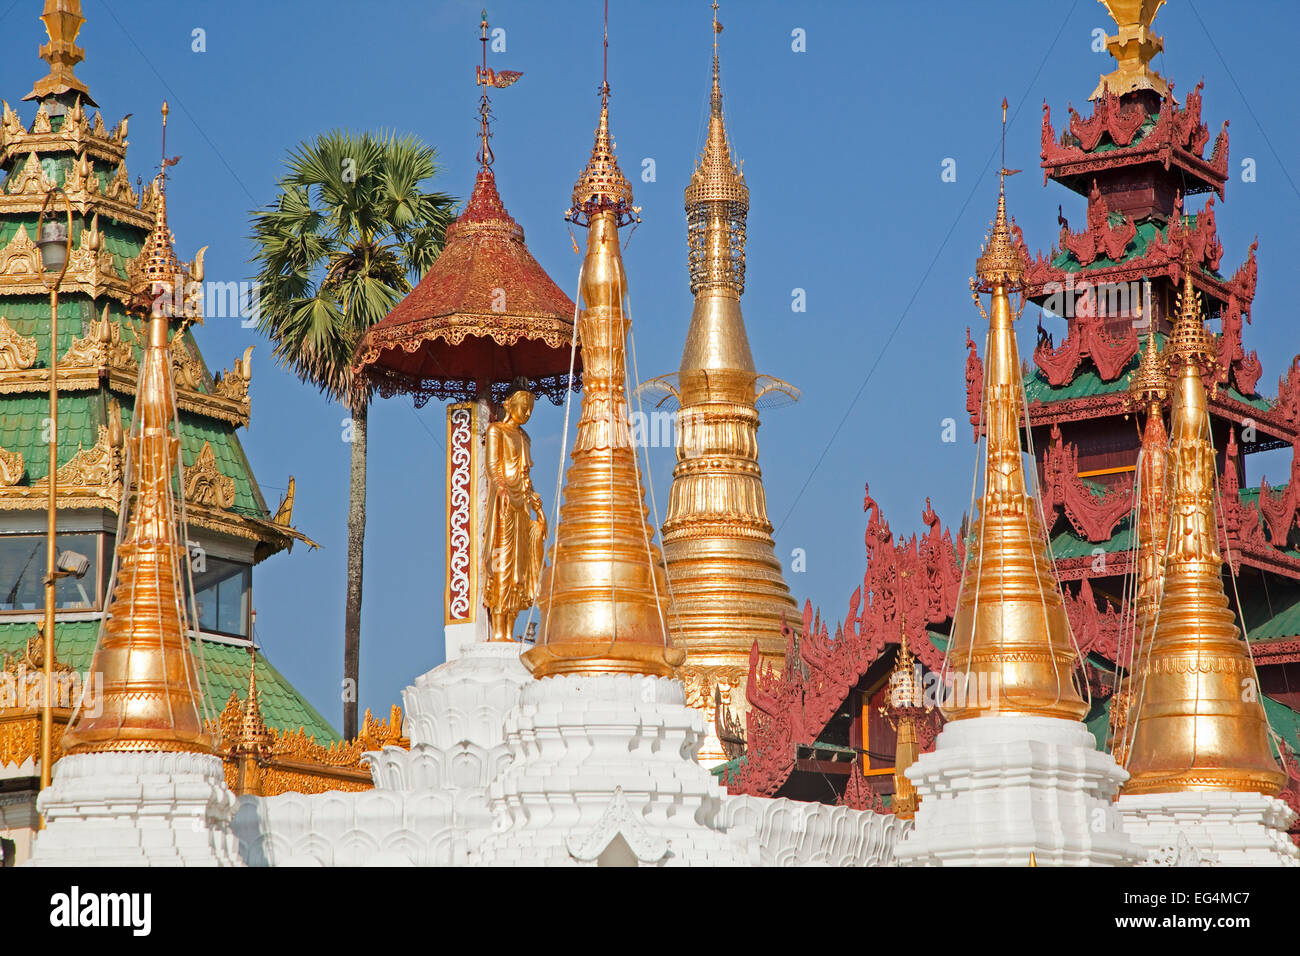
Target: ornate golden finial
(601,600)
(63,20)
(1198,721)
(602,185)
(904,707)
(1133,46)
(717,202)
(1011,645)
(151,697)
(488,79)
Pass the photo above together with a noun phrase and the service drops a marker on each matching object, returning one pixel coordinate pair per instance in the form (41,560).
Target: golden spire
(1133,46)
(904,706)
(728,590)
(151,698)
(63,22)
(717,203)
(1011,649)
(601,600)
(1149,388)
(1199,722)
(252,740)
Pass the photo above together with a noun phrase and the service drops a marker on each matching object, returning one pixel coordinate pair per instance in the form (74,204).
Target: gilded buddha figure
(516,529)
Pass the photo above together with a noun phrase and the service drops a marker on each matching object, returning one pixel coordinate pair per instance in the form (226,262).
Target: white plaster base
(1221,828)
(997,789)
(795,833)
(429,806)
(603,772)
(137,809)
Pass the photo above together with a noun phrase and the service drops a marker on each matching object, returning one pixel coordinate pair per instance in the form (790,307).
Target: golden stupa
(151,698)
(1011,650)
(1133,46)
(602,599)
(1198,721)
(728,591)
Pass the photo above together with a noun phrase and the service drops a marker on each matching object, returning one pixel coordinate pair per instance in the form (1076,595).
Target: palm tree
(340,246)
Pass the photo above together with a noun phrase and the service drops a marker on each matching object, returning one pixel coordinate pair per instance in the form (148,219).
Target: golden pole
(51,550)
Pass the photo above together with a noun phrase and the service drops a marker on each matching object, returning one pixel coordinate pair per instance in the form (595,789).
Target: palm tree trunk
(356,548)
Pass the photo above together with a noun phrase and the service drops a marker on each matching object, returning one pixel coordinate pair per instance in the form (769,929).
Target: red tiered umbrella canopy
(484,317)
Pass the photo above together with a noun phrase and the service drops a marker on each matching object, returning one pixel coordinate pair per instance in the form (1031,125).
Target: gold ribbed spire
(63,20)
(1133,46)
(1011,646)
(1199,721)
(151,697)
(602,599)
(728,590)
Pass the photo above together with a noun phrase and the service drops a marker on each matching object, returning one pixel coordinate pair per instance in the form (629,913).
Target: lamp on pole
(54,239)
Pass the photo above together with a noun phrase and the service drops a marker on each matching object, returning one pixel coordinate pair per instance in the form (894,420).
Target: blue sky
(843,147)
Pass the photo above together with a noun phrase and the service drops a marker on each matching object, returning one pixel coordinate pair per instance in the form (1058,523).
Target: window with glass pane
(22,573)
(221,596)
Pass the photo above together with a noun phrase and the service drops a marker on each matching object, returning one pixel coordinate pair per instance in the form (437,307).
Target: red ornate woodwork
(1100,236)
(1096,631)
(1108,116)
(1177,138)
(1094,516)
(858,794)
(908,587)
(1087,338)
(1279,506)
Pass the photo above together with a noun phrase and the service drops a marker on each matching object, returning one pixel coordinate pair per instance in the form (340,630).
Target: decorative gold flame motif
(63,20)
(151,694)
(1011,650)
(1199,722)
(601,600)
(728,591)
(1133,46)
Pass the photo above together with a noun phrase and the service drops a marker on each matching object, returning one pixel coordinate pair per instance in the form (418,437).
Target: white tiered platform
(137,809)
(997,789)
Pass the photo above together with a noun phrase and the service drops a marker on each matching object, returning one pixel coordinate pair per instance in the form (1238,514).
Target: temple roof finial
(1133,46)
(63,21)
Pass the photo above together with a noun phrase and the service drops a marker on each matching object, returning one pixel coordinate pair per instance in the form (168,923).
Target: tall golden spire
(151,698)
(1199,722)
(603,597)
(1133,46)
(1011,647)
(728,591)
(63,22)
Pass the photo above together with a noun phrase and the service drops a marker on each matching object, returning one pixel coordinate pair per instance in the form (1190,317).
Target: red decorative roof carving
(1093,516)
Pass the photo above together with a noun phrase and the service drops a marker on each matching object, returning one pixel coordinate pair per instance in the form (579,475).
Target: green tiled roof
(1067,544)
(1087,383)
(226,667)
(22,418)
(1284,721)
(1274,612)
